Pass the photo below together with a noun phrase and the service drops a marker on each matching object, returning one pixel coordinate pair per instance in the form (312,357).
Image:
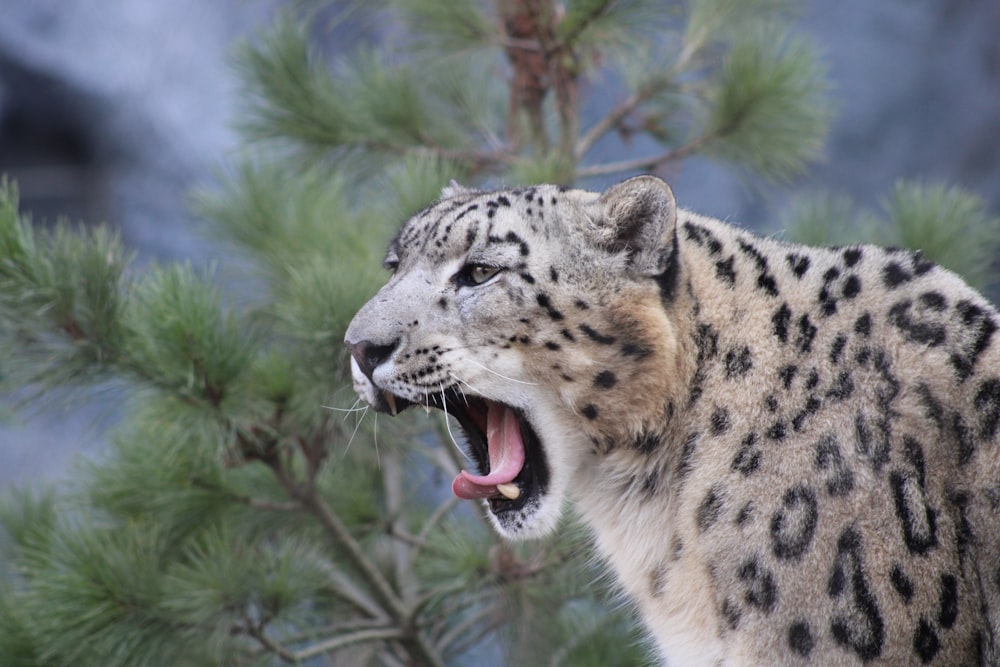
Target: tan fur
(788,455)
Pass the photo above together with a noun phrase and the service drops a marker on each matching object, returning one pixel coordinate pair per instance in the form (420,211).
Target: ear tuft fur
(453,189)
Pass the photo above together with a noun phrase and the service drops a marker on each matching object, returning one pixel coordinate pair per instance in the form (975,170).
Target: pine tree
(950,226)
(248,511)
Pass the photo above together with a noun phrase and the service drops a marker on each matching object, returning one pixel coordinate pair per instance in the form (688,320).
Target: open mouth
(512,471)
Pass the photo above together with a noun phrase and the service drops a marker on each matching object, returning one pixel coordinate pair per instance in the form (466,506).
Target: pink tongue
(506,448)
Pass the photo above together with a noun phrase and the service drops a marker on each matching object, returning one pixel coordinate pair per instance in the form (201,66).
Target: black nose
(370,355)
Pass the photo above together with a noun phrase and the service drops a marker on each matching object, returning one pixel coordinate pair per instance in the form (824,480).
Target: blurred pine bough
(236,518)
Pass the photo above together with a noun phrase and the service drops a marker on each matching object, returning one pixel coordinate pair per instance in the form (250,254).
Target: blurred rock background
(115,109)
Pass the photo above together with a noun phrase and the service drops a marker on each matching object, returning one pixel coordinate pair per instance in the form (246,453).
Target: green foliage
(317,258)
(287,95)
(749,91)
(951,227)
(247,511)
(18,648)
(771,113)
(367,110)
(26,518)
(63,281)
(589,639)
(446,27)
(278,217)
(231,521)
(414,182)
(824,220)
(106,583)
(610,28)
(718,20)
(182,338)
(550,169)
(170,472)
(223,580)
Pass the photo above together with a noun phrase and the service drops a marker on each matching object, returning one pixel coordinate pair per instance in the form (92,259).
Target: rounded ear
(638,216)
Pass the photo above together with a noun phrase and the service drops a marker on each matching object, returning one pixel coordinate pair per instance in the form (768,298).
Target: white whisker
(500,375)
(447,423)
(464,396)
(354,408)
(378,458)
(330,407)
(361,417)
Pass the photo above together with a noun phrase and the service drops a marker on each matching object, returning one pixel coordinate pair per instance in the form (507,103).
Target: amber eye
(475,274)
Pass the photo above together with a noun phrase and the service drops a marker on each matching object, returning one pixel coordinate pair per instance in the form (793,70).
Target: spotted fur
(788,454)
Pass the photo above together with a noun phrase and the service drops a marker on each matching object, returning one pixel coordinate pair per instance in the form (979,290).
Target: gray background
(115,109)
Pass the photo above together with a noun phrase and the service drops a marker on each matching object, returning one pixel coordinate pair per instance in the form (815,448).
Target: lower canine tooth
(509,491)
(391,400)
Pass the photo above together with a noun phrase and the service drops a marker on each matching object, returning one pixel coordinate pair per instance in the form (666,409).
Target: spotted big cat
(788,455)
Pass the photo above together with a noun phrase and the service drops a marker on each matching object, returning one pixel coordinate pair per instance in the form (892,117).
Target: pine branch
(617,115)
(60,297)
(463,604)
(345,588)
(231,549)
(446,28)
(561,61)
(648,163)
(369,107)
(252,629)
(476,162)
(542,62)
(567,102)
(657,83)
(347,639)
(567,39)
(249,501)
(770,113)
(431,523)
(341,536)
(337,629)
(392,489)
(524,21)
(485,620)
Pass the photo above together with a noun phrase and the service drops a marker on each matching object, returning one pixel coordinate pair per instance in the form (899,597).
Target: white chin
(362,385)
(536,519)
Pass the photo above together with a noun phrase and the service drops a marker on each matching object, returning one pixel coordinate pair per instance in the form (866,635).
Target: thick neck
(632,483)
